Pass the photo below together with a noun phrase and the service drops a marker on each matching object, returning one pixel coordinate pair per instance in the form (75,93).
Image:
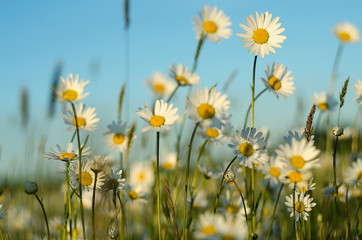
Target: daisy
(135,193)
(183,76)
(160,85)
(299,154)
(142,174)
(302,205)
(295,178)
(346,32)
(231,228)
(307,188)
(71,89)
(209,173)
(208,107)
(216,135)
(117,136)
(200,200)
(113,181)
(353,174)
(262,34)
(100,163)
(213,24)
(85,118)
(207,225)
(272,169)
(358,89)
(87,177)
(341,195)
(278,81)
(324,102)
(248,145)
(168,161)
(66,155)
(231,204)
(2,211)
(162,117)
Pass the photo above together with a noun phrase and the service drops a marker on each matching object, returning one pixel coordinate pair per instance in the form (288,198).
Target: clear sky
(88,38)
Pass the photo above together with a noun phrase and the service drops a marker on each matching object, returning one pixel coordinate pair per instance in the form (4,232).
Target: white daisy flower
(87,177)
(272,169)
(135,193)
(116,136)
(71,89)
(142,173)
(299,154)
(262,34)
(278,80)
(183,76)
(249,146)
(168,161)
(324,102)
(200,200)
(231,228)
(100,163)
(209,173)
(341,195)
(207,226)
(113,181)
(2,211)
(213,24)
(307,188)
(353,174)
(66,155)
(295,178)
(160,86)
(346,32)
(358,89)
(208,107)
(162,117)
(217,135)
(302,205)
(85,117)
(232,205)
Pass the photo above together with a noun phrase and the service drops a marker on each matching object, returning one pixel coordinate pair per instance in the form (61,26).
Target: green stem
(197,164)
(275,208)
(1,234)
(158,185)
(69,214)
(199,45)
(249,108)
(45,215)
(173,93)
(253,93)
(187,178)
(242,198)
(123,217)
(93,206)
(335,188)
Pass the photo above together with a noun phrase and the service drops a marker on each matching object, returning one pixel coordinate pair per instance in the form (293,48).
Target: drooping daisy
(272,169)
(249,145)
(324,102)
(278,81)
(117,136)
(358,89)
(217,135)
(168,161)
(86,118)
(2,211)
(160,85)
(209,173)
(142,174)
(213,24)
(86,180)
(206,227)
(162,117)
(183,76)
(353,174)
(302,205)
(262,34)
(113,181)
(71,89)
(135,193)
(100,163)
(66,155)
(346,32)
(208,107)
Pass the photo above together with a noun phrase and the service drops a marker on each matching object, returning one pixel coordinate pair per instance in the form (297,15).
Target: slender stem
(253,93)
(66,189)
(197,164)
(69,214)
(335,188)
(173,93)
(335,68)
(1,234)
(123,216)
(193,197)
(187,178)
(93,205)
(263,204)
(295,223)
(355,131)
(158,185)
(242,198)
(275,208)
(249,108)
(199,45)
(45,215)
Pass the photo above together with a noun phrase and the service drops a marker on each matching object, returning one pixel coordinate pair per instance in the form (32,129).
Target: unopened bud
(31,187)
(113,233)
(338,131)
(229,176)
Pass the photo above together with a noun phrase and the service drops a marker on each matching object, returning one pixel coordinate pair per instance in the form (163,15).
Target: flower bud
(31,187)
(338,131)
(113,233)
(229,176)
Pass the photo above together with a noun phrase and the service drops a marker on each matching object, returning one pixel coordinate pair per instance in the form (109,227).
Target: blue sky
(87,37)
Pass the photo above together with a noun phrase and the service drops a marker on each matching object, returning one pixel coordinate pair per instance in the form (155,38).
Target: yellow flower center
(70,95)
(81,122)
(210,26)
(274,83)
(344,37)
(260,36)
(246,149)
(295,176)
(168,165)
(209,230)
(157,121)
(112,183)
(118,138)
(141,176)
(182,80)
(213,133)
(339,194)
(85,179)
(299,207)
(297,161)
(67,156)
(206,111)
(323,106)
(274,171)
(158,87)
(359,175)
(232,209)
(227,237)
(133,194)
(303,189)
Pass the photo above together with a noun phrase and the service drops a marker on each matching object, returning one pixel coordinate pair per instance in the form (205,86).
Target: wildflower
(162,117)
(231,228)
(86,178)
(278,81)
(85,118)
(302,205)
(341,195)
(183,76)
(216,135)
(346,32)
(142,174)
(209,173)
(207,225)
(168,161)
(135,193)
(160,85)
(117,136)
(200,201)
(31,187)
(272,169)
(232,204)
(113,181)
(307,188)
(71,89)
(249,146)
(100,163)
(208,107)
(262,34)
(353,174)
(324,102)
(2,211)
(67,155)
(295,178)
(213,24)
(358,89)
